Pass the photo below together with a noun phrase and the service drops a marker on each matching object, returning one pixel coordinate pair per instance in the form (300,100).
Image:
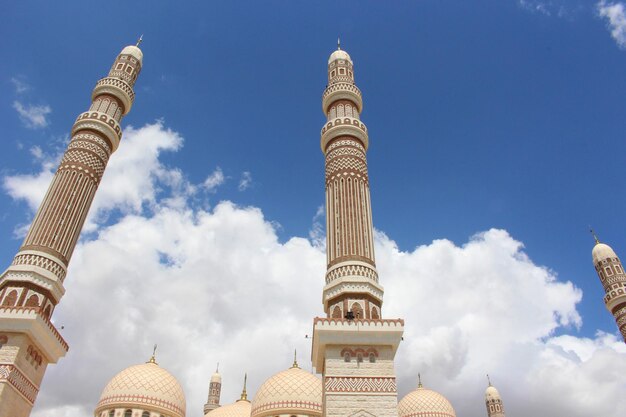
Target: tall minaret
(611,273)
(493,401)
(353,347)
(32,286)
(215,389)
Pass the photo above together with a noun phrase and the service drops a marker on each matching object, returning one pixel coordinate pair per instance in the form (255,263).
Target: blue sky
(484,114)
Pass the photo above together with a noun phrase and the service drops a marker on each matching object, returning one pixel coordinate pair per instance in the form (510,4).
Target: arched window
(145,414)
(375,314)
(336,313)
(372,358)
(128,413)
(346,357)
(10,299)
(359,357)
(357,311)
(46,312)
(112,413)
(33,301)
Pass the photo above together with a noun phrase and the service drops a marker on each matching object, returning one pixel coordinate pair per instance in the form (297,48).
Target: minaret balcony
(351,285)
(102,123)
(117,88)
(345,126)
(342,91)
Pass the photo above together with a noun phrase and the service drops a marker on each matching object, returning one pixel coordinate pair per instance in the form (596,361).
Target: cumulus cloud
(615,14)
(218,285)
(214,180)
(245,182)
(33,117)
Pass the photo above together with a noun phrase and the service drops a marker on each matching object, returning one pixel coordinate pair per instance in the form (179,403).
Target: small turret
(493,401)
(215,389)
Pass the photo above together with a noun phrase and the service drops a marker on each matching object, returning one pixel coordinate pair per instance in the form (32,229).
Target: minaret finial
(488,380)
(338,43)
(295,359)
(244,393)
(139,40)
(594,236)
(217,368)
(153,357)
(419,381)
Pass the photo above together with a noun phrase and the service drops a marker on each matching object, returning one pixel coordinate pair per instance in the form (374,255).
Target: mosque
(353,346)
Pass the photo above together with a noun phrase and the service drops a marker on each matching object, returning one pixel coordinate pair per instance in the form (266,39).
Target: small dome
(146,386)
(216,377)
(293,391)
(425,403)
(601,251)
(491,393)
(134,51)
(240,408)
(339,54)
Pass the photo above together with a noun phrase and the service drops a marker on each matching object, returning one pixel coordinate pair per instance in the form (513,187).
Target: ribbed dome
(425,403)
(240,408)
(134,51)
(293,391)
(339,54)
(146,386)
(602,251)
(491,393)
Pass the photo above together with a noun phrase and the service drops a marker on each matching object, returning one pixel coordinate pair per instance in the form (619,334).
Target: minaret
(215,389)
(353,347)
(493,401)
(611,273)
(32,286)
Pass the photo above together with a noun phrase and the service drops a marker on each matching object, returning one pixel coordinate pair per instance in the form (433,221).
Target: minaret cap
(339,54)
(134,50)
(601,250)
(244,393)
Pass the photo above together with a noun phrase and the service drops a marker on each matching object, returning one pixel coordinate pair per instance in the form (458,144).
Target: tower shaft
(32,286)
(613,278)
(353,347)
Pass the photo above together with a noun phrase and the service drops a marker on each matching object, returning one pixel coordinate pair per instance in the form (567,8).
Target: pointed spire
(244,393)
(594,236)
(338,43)
(153,357)
(295,359)
(489,380)
(217,368)
(419,381)
(139,40)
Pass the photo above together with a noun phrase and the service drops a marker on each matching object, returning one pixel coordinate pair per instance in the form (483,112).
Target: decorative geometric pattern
(425,403)
(345,142)
(145,385)
(81,141)
(360,384)
(116,82)
(86,158)
(293,391)
(13,376)
(351,270)
(345,163)
(41,262)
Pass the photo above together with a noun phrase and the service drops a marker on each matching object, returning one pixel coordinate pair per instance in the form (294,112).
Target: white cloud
(214,180)
(20,85)
(33,117)
(615,13)
(219,285)
(246,181)
(539,6)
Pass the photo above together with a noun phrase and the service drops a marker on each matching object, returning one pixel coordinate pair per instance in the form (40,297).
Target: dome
(339,54)
(491,393)
(133,51)
(240,408)
(293,391)
(425,403)
(146,386)
(601,251)
(216,377)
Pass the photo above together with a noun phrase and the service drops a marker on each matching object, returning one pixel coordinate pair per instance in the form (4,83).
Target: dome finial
(489,380)
(419,381)
(594,236)
(153,357)
(139,40)
(217,368)
(338,43)
(295,359)
(244,393)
